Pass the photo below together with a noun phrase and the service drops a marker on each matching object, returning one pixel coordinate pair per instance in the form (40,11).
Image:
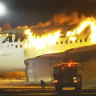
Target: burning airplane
(83,35)
(52,49)
(42,52)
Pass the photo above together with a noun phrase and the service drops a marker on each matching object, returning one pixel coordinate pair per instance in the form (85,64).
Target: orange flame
(88,21)
(41,42)
(48,41)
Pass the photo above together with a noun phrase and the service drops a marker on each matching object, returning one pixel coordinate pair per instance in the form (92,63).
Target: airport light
(2,9)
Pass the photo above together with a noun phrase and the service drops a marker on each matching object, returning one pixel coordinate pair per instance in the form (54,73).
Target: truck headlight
(75,81)
(55,81)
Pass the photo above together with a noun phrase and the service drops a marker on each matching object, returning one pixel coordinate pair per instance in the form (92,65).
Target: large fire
(48,40)
(87,22)
(41,42)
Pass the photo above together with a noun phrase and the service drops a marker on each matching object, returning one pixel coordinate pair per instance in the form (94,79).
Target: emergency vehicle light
(71,64)
(55,81)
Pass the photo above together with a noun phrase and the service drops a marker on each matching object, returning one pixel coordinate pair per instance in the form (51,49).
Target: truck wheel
(58,88)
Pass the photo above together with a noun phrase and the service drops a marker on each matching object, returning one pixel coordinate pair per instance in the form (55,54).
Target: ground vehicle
(67,75)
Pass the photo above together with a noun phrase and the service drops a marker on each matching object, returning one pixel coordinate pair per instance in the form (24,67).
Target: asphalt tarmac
(45,92)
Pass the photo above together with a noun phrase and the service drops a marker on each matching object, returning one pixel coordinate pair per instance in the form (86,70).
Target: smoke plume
(61,19)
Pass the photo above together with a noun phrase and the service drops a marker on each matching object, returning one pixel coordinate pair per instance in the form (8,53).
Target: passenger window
(76,41)
(70,41)
(20,46)
(16,46)
(85,39)
(61,42)
(66,41)
(80,40)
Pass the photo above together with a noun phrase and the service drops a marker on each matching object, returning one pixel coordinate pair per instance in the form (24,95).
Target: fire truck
(67,75)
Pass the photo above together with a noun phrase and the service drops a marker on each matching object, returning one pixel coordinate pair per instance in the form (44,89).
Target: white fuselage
(63,44)
(12,54)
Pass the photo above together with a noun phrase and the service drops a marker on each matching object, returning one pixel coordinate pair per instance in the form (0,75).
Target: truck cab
(67,74)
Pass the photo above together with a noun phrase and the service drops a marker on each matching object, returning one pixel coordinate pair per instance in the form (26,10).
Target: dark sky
(29,12)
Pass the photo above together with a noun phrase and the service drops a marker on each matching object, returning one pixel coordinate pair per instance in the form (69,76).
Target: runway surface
(23,88)
(45,92)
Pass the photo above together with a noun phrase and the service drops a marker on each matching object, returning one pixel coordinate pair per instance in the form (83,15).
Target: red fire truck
(67,75)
